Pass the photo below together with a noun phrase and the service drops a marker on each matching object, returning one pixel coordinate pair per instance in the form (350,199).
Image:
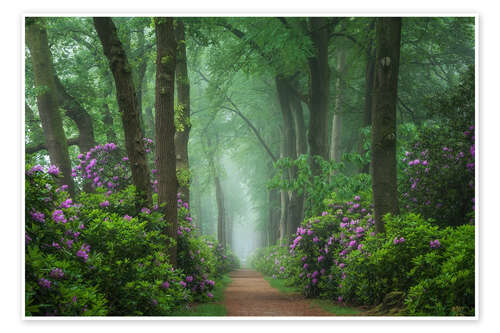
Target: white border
(247,14)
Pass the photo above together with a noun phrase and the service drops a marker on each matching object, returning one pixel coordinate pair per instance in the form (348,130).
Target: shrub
(105,255)
(445,276)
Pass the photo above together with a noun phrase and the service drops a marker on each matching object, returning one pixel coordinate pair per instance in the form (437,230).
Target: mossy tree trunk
(48,108)
(367,114)
(183,110)
(76,112)
(128,105)
(336,136)
(385,90)
(165,126)
(319,91)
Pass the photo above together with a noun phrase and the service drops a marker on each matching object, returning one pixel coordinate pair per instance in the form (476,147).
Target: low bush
(104,255)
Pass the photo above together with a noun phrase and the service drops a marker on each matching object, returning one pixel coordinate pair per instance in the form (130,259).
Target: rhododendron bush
(338,256)
(103,253)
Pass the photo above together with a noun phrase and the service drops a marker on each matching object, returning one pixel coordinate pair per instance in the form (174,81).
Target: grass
(280,285)
(326,305)
(330,306)
(213,308)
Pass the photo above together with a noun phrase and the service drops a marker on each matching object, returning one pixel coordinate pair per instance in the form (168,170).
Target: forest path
(250,295)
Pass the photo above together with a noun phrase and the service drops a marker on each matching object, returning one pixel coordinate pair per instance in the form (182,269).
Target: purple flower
(402,240)
(73,299)
(58,216)
(145,210)
(435,244)
(38,216)
(36,168)
(165,285)
(315,239)
(210,295)
(396,240)
(182,283)
(125,159)
(127,217)
(53,170)
(357,198)
(339,299)
(320,258)
(104,204)
(44,283)
(352,243)
(314,281)
(324,213)
(189,278)
(341,265)
(305,266)
(56,273)
(309,232)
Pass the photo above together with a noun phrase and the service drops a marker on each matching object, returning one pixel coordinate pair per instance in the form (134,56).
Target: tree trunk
(79,115)
(108,124)
(229,229)
(384,176)
(128,104)
(165,126)
(33,125)
(289,150)
(221,213)
(319,91)
(274,216)
(335,149)
(150,122)
(55,138)
(182,135)
(367,115)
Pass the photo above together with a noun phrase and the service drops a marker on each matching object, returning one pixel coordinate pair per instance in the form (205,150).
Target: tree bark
(335,148)
(128,105)
(384,176)
(183,103)
(319,92)
(221,213)
(367,115)
(33,125)
(294,202)
(55,138)
(79,115)
(165,126)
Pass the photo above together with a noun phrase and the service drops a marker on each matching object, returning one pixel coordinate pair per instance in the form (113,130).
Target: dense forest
(332,154)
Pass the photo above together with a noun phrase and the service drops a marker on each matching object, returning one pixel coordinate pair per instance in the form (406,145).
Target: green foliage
(446,277)
(104,256)
(332,180)
(437,163)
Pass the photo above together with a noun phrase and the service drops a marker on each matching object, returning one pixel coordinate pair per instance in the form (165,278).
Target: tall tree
(319,90)
(335,150)
(128,105)
(76,112)
(55,138)
(165,126)
(369,72)
(385,92)
(183,106)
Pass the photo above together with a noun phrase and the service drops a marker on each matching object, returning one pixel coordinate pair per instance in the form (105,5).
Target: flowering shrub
(445,275)
(438,177)
(437,169)
(104,255)
(338,256)
(55,274)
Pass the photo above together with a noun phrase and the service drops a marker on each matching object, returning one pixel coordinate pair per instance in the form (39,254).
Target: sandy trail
(250,295)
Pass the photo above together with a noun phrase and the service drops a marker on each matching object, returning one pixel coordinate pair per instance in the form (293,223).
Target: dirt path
(250,295)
